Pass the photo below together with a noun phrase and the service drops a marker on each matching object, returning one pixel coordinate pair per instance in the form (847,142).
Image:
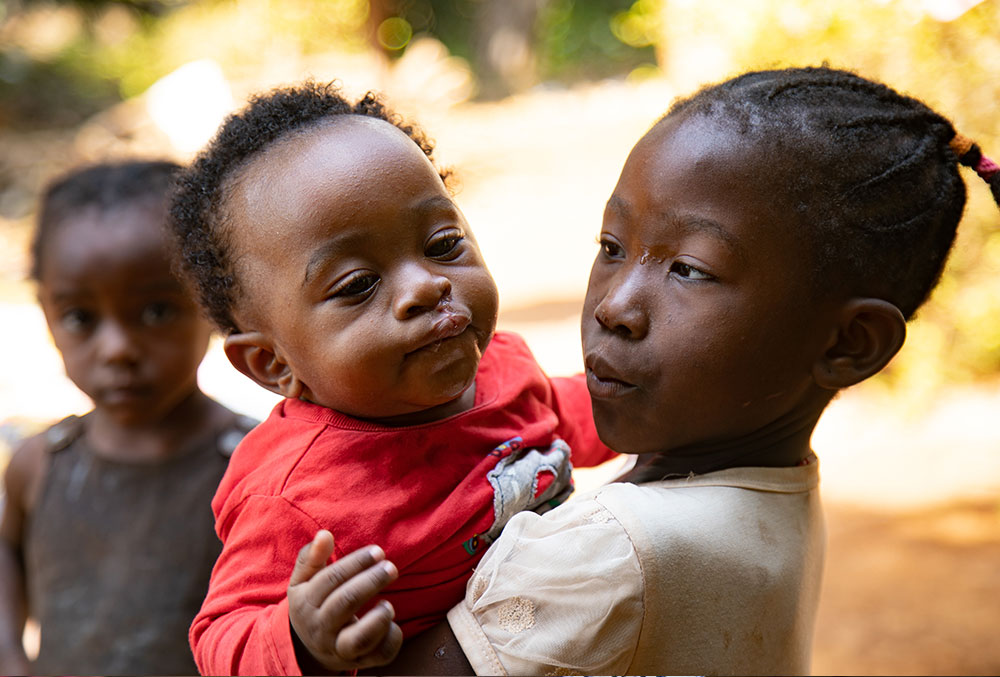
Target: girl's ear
(868,334)
(253,354)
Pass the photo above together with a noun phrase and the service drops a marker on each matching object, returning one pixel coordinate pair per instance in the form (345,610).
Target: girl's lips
(604,388)
(124,394)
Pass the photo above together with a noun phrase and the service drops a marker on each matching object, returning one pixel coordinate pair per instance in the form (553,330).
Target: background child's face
(698,326)
(129,333)
(360,270)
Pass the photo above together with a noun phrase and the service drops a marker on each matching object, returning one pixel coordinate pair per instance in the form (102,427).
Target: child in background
(765,245)
(106,538)
(328,249)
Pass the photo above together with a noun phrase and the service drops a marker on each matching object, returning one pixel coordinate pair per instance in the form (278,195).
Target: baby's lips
(450,324)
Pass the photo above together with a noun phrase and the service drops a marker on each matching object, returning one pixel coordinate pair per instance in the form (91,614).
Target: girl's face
(698,327)
(130,335)
(360,273)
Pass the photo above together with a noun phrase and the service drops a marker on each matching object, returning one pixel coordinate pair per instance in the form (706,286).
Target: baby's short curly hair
(197,212)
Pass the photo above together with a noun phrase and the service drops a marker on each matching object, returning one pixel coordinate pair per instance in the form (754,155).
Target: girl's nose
(116,343)
(421,290)
(621,310)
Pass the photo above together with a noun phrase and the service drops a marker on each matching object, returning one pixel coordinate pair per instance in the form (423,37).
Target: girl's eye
(689,272)
(77,320)
(444,247)
(158,313)
(357,286)
(610,248)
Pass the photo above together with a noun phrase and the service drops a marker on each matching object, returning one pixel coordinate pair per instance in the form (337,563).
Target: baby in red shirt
(326,246)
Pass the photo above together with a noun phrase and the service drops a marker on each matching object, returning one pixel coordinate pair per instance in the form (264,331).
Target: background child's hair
(197,213)
(875,183)
(105,186)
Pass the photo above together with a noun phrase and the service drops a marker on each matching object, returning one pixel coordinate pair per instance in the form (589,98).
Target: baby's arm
(571,402)
(20,481)
(322,602)
(245,625)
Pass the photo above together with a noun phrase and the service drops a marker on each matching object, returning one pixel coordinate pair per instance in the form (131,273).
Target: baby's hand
(323,600)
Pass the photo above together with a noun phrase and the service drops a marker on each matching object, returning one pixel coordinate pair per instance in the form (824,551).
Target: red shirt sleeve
(571,402)
(243,626)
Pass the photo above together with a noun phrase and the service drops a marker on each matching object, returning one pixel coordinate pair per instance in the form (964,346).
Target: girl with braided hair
(766,243)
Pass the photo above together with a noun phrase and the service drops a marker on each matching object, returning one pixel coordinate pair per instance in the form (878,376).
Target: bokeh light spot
(394,33)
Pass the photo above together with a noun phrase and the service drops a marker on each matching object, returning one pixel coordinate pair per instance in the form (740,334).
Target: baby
(328,249)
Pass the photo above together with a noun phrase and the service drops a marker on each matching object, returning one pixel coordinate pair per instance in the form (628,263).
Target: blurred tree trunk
(504,46)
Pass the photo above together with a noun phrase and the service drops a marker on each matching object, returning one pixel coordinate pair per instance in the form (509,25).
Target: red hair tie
(986,168)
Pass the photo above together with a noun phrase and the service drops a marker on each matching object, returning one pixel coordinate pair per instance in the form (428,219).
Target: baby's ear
(868,334)
(253,354)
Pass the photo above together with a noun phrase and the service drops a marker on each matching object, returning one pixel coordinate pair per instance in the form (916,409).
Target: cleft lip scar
(451,322)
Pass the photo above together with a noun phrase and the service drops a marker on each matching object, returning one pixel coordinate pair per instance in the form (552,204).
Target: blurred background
(535,104)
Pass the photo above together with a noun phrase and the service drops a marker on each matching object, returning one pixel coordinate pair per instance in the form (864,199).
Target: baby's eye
(77,320)
(158,313)
(444,246)
(357,286)
(688,271)
(610,248)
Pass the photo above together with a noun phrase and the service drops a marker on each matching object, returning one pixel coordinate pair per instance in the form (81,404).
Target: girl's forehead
(126,232)
(696,176)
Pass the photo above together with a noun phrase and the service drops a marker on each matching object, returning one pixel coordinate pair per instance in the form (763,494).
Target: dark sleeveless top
(118,555)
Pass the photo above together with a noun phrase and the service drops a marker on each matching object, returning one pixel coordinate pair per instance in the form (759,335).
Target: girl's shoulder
(26,470)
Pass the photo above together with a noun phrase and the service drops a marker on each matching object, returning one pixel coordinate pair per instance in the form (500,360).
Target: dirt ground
(911,593)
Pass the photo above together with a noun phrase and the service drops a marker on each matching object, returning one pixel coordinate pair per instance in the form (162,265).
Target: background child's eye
(77,320)
(357,286)
(444,247)
(158,313)
(688,271)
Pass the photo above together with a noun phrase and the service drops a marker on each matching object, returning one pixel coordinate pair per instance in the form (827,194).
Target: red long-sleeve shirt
(427,494)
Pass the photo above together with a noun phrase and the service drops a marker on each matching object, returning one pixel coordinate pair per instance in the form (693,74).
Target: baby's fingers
(373,640)
(312,557)
(359,567)
(354,588)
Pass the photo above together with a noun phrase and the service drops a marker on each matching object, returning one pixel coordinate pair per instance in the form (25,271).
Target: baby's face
(699,330)
(130,335)
(360,269)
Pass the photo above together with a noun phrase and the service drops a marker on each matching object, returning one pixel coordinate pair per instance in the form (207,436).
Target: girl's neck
(783,443)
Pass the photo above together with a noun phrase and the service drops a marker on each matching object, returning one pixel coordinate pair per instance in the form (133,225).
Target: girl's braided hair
(875,183)
(197,212)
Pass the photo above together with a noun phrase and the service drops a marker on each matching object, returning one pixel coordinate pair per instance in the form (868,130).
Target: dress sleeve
(243,626)
(571,401)
(557,594)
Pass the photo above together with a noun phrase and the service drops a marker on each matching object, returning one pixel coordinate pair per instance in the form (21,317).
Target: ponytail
(970,155)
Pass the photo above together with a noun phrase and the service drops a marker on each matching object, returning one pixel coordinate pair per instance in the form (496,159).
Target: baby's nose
(421,290)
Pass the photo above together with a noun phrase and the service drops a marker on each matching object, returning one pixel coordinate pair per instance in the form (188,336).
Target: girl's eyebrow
(687,223)
(697,224)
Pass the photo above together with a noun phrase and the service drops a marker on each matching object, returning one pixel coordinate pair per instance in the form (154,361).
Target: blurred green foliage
(60,62)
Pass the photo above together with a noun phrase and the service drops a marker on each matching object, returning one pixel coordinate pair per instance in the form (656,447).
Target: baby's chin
(416,415)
